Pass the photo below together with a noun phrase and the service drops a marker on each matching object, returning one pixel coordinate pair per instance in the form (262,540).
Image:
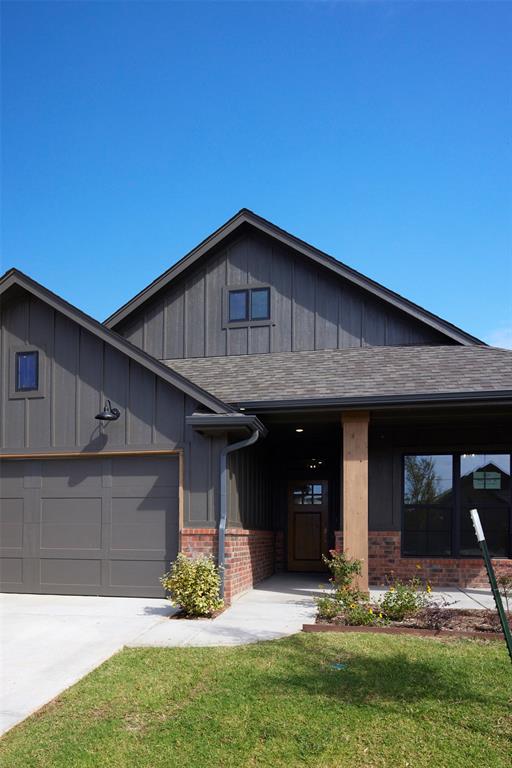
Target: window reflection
(428,479)
(433,513)
(485,484)
(311,494)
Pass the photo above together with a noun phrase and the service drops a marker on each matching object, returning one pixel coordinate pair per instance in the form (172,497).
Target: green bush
(404,599)
(343,569)
(362,615)
(345,599)
(193,585)
(328,607)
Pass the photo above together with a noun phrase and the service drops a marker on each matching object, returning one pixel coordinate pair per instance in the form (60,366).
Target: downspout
(224,499)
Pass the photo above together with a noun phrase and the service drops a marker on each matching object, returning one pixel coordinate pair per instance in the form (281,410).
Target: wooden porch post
(355,489)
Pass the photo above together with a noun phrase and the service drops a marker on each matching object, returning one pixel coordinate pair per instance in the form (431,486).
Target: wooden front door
(308,504)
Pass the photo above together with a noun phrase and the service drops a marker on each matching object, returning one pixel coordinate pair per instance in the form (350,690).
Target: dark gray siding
(311,309)
(80,372)
(387,445)
(250,489)
(202,467)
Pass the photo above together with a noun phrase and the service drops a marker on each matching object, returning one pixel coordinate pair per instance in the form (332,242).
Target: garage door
(95,526)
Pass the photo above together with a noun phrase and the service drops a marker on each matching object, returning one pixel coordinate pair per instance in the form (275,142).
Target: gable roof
(355,376)
(14,277)
(244,217)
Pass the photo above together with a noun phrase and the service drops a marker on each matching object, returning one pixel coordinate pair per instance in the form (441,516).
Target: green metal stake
(477,525)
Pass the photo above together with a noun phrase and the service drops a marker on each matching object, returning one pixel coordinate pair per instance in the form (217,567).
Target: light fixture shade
(108,413)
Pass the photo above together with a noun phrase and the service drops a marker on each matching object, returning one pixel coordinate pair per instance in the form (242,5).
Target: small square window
(238,306)
(27,371)
(260,304)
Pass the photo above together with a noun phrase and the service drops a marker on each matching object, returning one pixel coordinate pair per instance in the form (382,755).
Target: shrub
(404,599)
(193,585)
(345,600)
(343,569)
(505,587)
(363,615)
(328,607)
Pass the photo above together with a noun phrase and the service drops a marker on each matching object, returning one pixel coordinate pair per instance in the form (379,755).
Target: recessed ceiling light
(299,429)
(241,409)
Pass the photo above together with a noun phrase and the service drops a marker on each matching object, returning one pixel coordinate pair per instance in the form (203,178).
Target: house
(259,401)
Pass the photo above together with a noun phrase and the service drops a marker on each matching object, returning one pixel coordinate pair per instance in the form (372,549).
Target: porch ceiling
(360,374)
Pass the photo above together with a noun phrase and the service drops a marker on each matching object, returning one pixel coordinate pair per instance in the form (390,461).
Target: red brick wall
(249,555)
(384,557)
(279,557)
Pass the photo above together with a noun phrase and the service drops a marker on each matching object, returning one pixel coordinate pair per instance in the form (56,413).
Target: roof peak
(246,216)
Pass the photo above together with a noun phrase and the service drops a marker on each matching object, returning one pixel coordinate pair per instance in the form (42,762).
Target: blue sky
(379,132)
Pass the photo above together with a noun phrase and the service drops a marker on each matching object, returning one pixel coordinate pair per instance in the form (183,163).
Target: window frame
(248,322)
(23,394)
(456,507)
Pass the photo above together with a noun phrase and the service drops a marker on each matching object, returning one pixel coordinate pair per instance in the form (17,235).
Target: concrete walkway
(454,597)
(277,607)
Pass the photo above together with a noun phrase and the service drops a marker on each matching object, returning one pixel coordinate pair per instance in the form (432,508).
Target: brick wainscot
(249,555)
(384,558)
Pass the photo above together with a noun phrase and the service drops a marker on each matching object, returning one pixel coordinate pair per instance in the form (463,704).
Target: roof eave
(381,402)
(211,424)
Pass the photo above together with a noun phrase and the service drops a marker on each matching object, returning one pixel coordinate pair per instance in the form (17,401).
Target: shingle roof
(362,372)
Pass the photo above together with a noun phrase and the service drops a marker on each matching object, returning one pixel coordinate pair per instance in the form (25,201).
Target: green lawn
(399,702)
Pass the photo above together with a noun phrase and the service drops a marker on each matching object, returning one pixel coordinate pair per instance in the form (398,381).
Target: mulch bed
(446,622)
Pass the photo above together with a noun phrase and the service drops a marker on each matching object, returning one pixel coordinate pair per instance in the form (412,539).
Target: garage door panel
(139,526)
(76,572)
(134,471)
(12,518)
(88,526)
(140,573)
(72,474)
(133,491)
(77,526)
(11,570)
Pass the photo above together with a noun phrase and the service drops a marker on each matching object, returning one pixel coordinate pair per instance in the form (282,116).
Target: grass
(399,702)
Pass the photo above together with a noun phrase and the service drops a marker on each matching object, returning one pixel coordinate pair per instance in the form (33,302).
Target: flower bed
(407,607)
(436,619)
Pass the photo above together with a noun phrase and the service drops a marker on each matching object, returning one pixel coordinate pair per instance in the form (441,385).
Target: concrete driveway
(49,642)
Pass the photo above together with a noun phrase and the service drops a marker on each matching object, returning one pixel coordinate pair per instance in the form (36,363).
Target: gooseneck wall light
(108,413)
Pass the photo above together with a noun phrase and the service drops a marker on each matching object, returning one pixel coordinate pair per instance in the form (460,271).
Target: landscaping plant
(346,603)
(194,585)
(404,599)
(505,587)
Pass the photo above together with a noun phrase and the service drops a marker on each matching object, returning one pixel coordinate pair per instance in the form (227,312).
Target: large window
(438,493)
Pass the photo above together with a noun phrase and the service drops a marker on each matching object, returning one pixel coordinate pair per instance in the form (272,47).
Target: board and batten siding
(81,372)
(250,491)
(312,308)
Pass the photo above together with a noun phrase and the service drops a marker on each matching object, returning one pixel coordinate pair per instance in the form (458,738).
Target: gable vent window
(27,371)
(249,304)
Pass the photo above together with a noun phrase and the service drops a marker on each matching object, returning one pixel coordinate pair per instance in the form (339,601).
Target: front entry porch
(343,481)
(392,488)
